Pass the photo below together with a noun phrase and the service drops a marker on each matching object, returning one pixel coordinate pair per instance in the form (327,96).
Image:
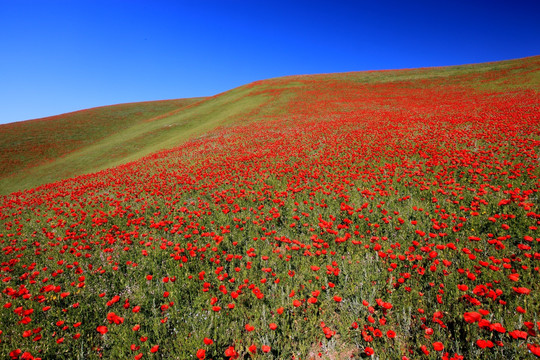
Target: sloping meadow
(346,218)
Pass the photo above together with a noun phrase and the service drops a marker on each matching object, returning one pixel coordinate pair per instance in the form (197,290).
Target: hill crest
(40,151)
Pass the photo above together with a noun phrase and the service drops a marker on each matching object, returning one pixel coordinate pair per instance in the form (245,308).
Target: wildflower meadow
(381,215)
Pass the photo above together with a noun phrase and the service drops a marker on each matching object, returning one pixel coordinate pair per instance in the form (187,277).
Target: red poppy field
(384,215)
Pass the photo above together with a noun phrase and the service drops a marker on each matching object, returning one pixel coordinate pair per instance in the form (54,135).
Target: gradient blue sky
(59,56)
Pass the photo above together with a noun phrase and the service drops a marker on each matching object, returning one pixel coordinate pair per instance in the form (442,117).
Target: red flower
(113,318)
(472,317)
(102,329)
(514,277)
(27,356)
(369,351)
(522,290)
(208,341)
(265,348)
(484,343)
(201,354)
(534,349)
(154,349)
(15,353)
(438,346)
(518,334)
(273,326)
(231,353)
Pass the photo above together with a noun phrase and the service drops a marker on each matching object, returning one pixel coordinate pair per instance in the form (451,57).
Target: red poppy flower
(231,352)
(484,343)
(201,354)
(438,346)
(518,334)
(522,290)
(514,277)
(14,354)
(535,349)
(472,317)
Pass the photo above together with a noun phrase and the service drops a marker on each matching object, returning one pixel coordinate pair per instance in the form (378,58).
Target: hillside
(27,145)
(40,151)
(384,215)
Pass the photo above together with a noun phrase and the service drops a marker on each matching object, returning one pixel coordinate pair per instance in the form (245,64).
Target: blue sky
(58,56)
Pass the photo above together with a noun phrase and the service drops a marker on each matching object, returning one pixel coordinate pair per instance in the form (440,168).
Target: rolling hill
(383,215)
(41,151)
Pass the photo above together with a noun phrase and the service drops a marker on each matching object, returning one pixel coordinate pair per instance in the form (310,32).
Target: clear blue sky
(58,56)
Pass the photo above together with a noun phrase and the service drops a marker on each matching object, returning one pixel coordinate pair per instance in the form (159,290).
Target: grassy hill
(383,215)
(40,151)
(30,144)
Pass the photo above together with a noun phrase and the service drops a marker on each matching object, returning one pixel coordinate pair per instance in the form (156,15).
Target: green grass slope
(41,151)
(31,143)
